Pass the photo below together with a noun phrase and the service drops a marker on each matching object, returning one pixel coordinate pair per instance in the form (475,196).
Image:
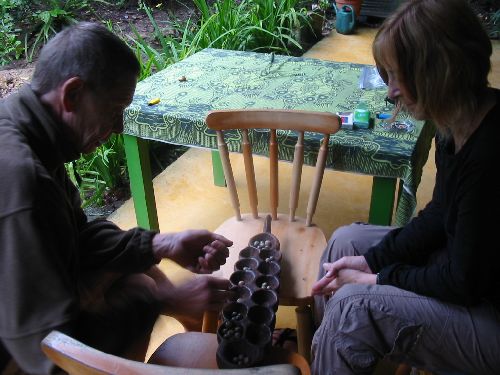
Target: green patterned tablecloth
(222,79)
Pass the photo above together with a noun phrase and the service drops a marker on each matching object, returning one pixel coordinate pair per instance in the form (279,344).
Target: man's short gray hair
(86,50)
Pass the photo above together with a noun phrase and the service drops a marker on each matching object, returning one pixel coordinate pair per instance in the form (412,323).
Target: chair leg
(138,350)
(210,322)
(304,331)
(403,369)
(4,358)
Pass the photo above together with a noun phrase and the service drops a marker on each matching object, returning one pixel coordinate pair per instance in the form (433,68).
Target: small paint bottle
(362,116)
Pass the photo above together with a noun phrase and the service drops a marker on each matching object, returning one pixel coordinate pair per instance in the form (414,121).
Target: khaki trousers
(362,324)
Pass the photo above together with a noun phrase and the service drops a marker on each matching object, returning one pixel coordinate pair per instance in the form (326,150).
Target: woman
(426,294)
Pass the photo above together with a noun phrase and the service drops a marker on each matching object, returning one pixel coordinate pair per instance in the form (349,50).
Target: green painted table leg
(141,182)
(382,202)
(219,179)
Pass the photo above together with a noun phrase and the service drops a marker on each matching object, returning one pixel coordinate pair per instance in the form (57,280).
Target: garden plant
(256,25)
(252,25)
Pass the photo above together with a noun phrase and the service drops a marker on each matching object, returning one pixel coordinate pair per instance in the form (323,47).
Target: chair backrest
(299,121)
(75,357)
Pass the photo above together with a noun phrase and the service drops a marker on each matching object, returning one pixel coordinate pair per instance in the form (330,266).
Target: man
(57,270)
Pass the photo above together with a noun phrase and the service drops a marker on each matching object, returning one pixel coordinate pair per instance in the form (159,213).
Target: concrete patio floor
(186,197)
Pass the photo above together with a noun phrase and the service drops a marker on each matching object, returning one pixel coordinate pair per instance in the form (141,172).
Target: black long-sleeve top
(461,221)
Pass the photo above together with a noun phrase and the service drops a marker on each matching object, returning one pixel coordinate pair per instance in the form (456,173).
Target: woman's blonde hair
(442,54)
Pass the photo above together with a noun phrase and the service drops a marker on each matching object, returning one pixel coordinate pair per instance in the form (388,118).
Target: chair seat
(198,350)
(301,248)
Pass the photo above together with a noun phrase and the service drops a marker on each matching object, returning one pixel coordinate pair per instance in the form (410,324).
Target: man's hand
(199,251)
(195,296)
(346,270)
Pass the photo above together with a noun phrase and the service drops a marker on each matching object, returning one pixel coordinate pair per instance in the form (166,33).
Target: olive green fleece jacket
(46,242)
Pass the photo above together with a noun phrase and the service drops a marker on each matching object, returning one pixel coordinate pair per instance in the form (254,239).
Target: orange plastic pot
(356,4)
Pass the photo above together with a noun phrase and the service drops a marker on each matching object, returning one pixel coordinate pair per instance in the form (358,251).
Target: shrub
(256,25)
(252,25)
(10,45)
(100,171)
(51,18)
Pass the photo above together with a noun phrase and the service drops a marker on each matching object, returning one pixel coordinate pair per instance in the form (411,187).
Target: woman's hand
(344,276)
(346,270)
(199,251)
(352,262)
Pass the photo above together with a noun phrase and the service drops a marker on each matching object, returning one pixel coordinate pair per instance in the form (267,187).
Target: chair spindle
(273,159)
(228,172)
(298,162)
(250,173)
(318,179)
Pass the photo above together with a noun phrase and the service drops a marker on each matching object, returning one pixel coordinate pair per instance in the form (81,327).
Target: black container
(248,319)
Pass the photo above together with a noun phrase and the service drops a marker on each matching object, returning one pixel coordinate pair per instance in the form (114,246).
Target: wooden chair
(302,243)
(75,357)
